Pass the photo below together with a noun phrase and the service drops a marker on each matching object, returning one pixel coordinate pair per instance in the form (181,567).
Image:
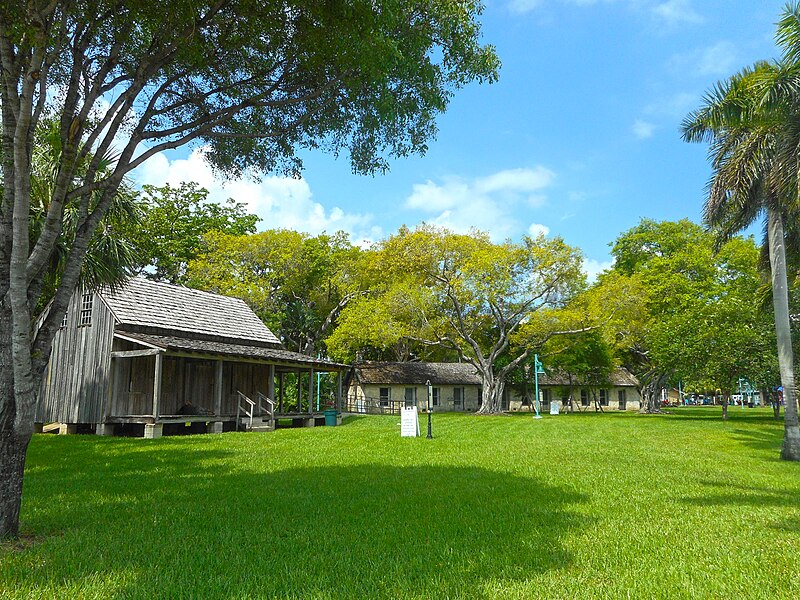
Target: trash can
(330,418)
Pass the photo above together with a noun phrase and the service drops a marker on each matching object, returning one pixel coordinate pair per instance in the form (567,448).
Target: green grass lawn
(574,506)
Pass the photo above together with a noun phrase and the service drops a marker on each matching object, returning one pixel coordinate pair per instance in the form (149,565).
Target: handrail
(262,399)
(240,409)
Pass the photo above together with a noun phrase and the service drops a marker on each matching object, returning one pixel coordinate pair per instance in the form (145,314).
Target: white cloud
(675,12)
(643,129)
(676,106)
(593,268)
(490,203)
(717,60)
(537,229)
(280,202)
(523,6)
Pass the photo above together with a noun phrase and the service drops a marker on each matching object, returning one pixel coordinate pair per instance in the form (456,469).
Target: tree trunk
(725,408)
(491,395)
(780,300)
(12,465)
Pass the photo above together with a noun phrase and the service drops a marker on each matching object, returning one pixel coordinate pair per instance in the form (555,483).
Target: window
(603,397)
(437,394)
(86,309)
(458,397)
(545,397)
(622,399)
(411,396)
(383,394)
(584,398)
(64,320)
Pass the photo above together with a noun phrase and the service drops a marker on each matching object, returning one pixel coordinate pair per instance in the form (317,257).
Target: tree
(110,257)
(585,358)
(297,283)
(252,82)
(467,295)
(697,315)
(751,121)
(174,221)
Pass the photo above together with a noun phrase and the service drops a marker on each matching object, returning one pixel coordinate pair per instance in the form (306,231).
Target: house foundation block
(309,422)
(215,427)
(104,429)
(153,430)
(67,429)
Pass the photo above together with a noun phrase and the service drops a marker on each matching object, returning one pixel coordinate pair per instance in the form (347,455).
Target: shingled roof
(153,307)
(206,347)
(620,377)
(416,373)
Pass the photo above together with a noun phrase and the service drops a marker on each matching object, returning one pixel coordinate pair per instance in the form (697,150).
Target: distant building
(384,387)
(620,393)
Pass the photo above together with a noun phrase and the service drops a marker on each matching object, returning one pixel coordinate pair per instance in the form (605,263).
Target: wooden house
(152,355)
(621,392)
(384,387)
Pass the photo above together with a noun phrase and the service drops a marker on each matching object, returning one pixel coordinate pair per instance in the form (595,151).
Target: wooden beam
(311,390)
(108,404)
(218,390)
(281,379)
(157,384)
(339,381)
(271,383)
(135,353)
(299,391)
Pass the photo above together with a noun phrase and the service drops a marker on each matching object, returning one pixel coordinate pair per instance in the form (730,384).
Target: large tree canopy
(253,82)
(295,282)
(463,294)
(698,317)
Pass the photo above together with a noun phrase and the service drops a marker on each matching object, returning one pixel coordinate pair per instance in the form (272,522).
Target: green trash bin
(330,418)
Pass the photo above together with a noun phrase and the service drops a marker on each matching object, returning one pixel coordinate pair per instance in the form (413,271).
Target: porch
(163,389)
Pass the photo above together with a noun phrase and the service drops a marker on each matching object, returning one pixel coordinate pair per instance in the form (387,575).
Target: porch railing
(246,406)
(266,406)
(261,407)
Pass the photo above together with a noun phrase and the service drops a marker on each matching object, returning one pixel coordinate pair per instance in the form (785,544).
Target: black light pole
(430,393)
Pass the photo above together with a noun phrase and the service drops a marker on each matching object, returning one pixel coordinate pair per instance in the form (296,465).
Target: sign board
(409,422)
(555,406)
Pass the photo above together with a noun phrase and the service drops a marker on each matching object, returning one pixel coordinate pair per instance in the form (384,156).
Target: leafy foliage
(295,282)
(460,294)
(173,224)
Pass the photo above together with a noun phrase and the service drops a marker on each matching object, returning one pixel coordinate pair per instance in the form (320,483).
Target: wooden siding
(184,380)
(75,384)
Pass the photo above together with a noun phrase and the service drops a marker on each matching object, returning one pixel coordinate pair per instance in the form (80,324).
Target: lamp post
(430,396)
(537,368)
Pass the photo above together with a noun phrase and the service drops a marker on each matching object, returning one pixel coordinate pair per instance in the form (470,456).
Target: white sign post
(409,422)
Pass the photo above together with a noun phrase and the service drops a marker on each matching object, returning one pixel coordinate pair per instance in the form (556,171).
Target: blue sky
(578,139)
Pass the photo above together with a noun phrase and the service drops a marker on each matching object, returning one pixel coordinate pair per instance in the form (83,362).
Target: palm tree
(751,122)
(110,258)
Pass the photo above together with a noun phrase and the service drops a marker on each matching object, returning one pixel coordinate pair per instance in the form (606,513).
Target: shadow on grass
(156,522)
(761,439)
(730,494)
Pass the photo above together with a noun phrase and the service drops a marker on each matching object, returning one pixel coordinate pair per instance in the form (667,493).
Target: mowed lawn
(574,506)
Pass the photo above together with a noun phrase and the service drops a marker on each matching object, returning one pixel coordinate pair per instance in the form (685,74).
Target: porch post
(299,391)
(311,390)
(218,390)
(339,382)
(271,383)
(157,384)
(280,391)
